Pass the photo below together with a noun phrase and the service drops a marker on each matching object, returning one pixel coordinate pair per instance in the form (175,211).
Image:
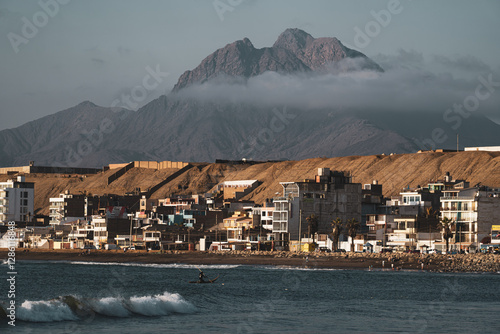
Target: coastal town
(328,213)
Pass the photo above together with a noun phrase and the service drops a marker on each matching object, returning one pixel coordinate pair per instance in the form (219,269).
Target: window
(25,202)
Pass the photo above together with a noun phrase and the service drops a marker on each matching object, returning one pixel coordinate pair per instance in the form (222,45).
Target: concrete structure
(236,190)
(265,215)
(328,196)
(100,231)
(158,165)
(484,148)
(31,169)
(16,200)
(67,207)
(474,211)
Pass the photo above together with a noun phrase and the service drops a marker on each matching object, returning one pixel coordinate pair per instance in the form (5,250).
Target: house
(17,199)
(235,190)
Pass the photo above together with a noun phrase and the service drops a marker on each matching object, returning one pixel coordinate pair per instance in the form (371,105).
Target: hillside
(394,172)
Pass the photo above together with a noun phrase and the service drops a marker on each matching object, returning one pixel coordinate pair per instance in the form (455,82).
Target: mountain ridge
(173,127)
(294,51)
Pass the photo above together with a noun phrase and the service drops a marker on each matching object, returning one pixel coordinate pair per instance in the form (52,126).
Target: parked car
(433,251)
(340,250)
(325,249)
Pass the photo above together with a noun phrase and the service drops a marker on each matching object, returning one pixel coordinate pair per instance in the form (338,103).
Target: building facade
(473,212)
(17,200)
(329,196)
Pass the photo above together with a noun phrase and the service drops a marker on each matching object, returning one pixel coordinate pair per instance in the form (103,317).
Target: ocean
(78,297)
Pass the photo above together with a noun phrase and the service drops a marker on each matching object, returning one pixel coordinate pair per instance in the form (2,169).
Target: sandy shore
(444,263)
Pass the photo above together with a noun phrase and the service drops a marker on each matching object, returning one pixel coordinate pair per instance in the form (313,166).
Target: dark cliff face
(294,51)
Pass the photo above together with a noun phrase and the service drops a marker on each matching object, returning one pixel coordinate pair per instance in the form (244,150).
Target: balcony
(458,198)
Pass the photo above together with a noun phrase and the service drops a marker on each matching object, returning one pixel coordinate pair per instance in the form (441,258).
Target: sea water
(78,297)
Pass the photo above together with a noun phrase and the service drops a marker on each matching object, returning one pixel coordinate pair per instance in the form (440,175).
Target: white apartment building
(266,216)
(100,230)
(17,200)
(474,211)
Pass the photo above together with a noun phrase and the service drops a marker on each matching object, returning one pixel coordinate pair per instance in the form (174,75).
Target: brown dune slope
(394,172)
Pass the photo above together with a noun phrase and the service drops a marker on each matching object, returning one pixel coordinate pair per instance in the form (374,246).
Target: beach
(392,261)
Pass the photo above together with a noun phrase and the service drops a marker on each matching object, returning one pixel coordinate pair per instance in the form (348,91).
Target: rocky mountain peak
(294,51)
(293,39)
(87,104)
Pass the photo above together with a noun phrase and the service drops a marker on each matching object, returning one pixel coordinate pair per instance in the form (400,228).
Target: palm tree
(352,227)
(337,228)
(445,224)
(312,225)
(429,212)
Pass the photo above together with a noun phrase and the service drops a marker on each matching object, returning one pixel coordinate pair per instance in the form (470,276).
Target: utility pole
(130,237)
(300,230)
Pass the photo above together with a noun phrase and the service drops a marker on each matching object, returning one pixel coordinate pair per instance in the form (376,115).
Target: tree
(337,228)
(312,225)
(352,227)
(445,225)
(430,213)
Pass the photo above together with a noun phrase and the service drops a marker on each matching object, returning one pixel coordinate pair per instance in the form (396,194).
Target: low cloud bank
(411,82)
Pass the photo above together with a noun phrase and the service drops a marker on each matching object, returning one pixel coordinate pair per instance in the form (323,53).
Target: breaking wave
(71,308)
(156,265)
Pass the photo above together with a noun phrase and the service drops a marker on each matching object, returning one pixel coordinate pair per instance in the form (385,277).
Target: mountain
(180,128)
(294,51)
(72,137)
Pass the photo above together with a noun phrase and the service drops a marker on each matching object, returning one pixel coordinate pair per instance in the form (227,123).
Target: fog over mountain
(303,97)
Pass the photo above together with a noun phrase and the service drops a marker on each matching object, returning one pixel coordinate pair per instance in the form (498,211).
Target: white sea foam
(110,306)
(45,311)
(298,268)
(58,310)
(157,265)
(164,304)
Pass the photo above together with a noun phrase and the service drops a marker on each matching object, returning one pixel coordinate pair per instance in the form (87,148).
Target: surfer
(201,277)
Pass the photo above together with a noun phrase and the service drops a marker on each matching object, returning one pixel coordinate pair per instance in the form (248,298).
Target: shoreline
(356,261)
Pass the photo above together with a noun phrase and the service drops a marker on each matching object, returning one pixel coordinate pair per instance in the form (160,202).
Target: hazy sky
(97,50)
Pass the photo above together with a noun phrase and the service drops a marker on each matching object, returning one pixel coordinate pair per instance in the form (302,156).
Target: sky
(56,54)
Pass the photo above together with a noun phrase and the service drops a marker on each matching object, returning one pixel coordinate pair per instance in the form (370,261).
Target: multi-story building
(473,211)
(265,213)
(16,200)
(100,230)
(67,207)
(329,196)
